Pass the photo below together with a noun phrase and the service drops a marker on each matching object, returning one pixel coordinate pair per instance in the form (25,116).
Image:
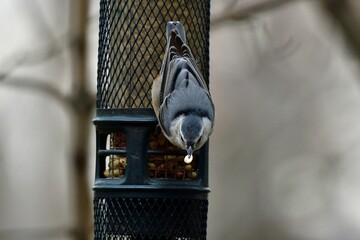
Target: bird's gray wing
(189,98)
(182,85)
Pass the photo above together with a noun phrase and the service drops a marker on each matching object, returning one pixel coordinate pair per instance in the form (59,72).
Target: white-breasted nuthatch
(180,96)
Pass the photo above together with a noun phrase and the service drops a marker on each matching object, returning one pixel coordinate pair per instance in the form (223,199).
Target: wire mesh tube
(142,190)
(150,218)
(132,43)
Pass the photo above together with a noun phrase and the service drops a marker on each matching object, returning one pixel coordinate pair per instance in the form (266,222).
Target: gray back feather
(183,89)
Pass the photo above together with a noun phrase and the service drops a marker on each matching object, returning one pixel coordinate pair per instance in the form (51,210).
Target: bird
(180,96)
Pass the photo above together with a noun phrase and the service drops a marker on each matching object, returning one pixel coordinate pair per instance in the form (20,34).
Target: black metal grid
(131,47)
(150,218)
(132,43)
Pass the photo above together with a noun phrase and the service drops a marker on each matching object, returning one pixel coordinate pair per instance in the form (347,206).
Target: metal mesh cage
(150,218)
(142,188)
(132,43)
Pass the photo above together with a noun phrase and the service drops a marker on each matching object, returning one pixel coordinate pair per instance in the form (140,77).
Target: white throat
(175,131)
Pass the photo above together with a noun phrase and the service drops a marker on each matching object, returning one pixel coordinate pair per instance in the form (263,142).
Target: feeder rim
(100,186)
(129,115)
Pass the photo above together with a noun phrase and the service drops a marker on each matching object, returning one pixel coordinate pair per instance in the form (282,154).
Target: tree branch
(33,57)
(37,85)
(346,14)
(38,18)
(244,13)
(69,101)
(37,56)
(81,131)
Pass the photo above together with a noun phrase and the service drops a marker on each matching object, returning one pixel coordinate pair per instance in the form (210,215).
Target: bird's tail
(176,42)
(175,27)
(176,39)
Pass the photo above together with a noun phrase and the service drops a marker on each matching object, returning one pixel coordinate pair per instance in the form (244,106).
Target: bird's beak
(189,151)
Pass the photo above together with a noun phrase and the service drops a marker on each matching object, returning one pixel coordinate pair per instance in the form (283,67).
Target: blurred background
(284,157)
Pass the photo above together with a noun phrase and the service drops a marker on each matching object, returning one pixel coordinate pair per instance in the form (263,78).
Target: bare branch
(27,58)
(231,5)
(81,101)
(81,131)
(346,14)
(73,101)
(37,233)
(37,56)
(245,13)
(38,85)
(38,18)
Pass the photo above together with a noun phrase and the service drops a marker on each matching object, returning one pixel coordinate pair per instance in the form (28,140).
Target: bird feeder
(143,189)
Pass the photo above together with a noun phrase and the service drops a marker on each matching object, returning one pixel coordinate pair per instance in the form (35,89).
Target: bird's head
(194,132)
(190,132)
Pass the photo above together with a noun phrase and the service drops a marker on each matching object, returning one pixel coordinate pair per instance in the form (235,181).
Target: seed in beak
(188,159)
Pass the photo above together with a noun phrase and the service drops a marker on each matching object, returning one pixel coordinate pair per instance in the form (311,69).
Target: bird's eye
(199,141)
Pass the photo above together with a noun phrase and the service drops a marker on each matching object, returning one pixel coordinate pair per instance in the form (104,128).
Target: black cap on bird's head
(191,129)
